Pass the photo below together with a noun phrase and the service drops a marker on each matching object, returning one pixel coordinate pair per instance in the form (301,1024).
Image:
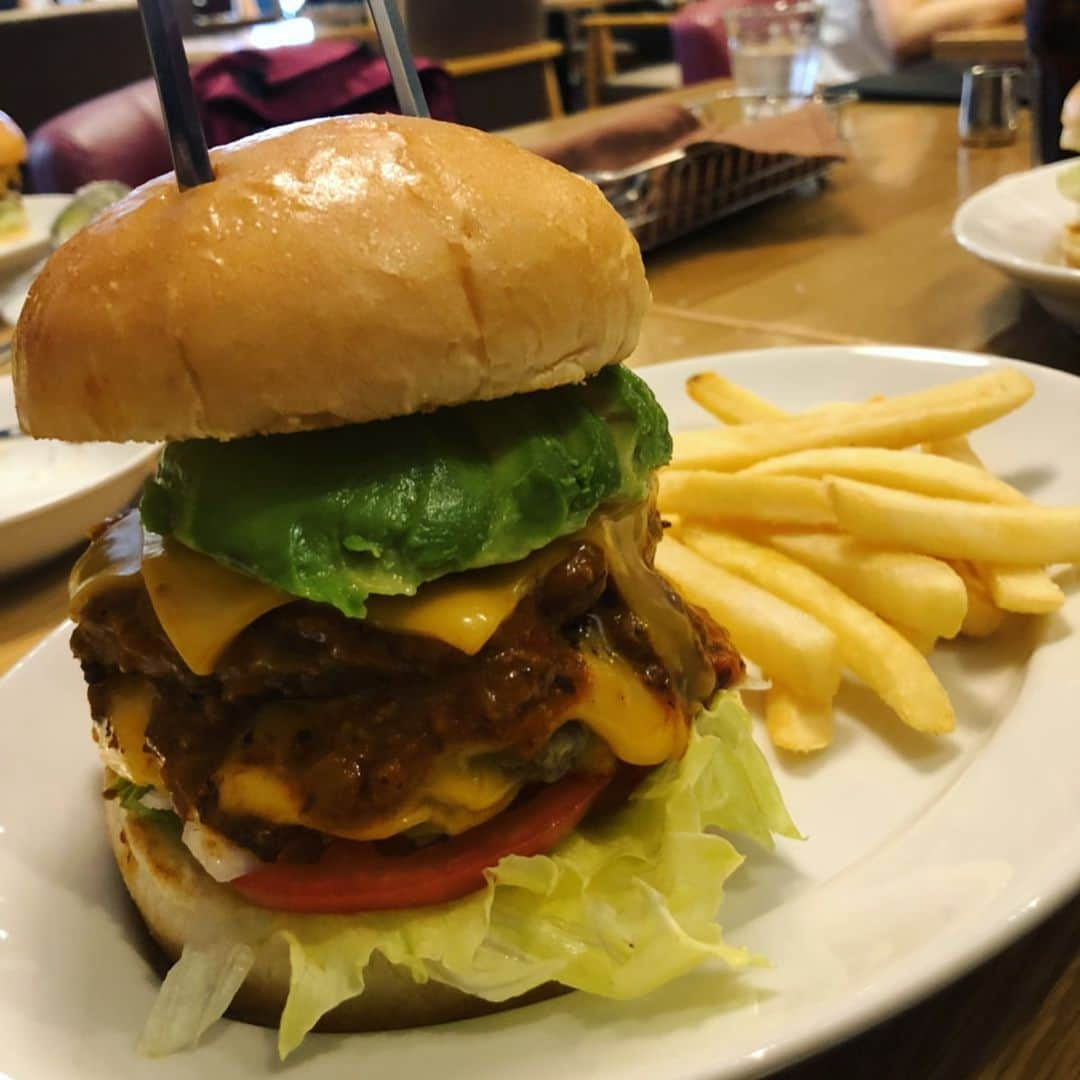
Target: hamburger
(399,724)
(1069,179)
(12,157)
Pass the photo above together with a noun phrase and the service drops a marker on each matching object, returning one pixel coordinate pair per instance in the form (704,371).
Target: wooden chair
(495,50)
(600,51)
(543,53)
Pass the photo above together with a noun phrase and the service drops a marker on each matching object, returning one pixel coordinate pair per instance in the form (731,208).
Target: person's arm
(907,27)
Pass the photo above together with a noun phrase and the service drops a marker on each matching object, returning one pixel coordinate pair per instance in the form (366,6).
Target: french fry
(1025,589)
(1027,535)
(922,641)
(957,448)
(924,416)
(787,500)
(983,618)
(880,655)
(904,469)
(795,724)
(729,402)
(783,640)
(922,594)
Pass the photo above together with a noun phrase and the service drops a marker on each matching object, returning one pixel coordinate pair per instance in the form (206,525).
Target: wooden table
(869,259)
(983,45)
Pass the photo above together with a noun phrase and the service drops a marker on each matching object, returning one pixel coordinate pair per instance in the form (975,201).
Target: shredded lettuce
(622,906)
(130,797)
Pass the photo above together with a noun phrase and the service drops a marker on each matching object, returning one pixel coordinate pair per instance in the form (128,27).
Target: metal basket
(678,192)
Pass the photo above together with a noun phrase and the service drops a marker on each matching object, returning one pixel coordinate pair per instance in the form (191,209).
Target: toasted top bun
(334,272)
(12,142)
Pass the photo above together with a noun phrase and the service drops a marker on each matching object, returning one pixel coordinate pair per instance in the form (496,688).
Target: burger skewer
(395,47)
(187,141)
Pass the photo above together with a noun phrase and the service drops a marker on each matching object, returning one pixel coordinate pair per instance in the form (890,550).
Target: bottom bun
(1070,244)
(173,893)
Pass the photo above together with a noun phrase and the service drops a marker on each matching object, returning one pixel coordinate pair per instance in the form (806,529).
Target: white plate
(923,857)
(1015,224)
(51,493)
(29,246)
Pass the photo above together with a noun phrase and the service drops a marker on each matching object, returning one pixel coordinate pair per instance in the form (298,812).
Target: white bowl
(1016,225)
(53,493)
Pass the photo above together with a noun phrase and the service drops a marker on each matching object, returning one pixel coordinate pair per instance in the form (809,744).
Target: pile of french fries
(854,536)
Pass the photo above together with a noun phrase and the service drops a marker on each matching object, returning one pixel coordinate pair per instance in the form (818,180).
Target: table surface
(987,44)
(870,258)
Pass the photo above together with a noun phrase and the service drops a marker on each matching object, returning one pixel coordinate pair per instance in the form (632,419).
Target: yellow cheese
(457,796)
(464,610)
(638,726)
(130,700)
(201,605)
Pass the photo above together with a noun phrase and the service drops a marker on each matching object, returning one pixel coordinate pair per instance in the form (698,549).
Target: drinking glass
(775,53)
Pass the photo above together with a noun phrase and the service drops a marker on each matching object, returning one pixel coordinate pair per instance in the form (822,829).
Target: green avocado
(338,515)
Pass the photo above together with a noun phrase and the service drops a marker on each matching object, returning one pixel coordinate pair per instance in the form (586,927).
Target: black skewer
(187,141)
(395,47)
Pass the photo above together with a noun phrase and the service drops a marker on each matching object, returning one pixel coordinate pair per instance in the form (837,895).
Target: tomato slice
(352,877)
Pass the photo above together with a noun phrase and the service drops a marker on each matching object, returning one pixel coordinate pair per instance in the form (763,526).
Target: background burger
(398,721)
(12,156)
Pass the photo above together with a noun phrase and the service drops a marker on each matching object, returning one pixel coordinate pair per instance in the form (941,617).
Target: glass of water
(775,53)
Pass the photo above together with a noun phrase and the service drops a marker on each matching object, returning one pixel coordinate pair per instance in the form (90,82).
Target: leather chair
(699,37)
(117,136)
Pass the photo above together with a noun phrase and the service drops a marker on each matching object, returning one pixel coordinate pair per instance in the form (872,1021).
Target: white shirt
(851,46)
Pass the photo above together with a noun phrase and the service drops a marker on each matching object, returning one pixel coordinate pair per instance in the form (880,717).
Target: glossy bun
(338,271)
(176,897)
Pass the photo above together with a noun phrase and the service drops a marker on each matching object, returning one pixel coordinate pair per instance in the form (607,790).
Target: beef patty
(369,711)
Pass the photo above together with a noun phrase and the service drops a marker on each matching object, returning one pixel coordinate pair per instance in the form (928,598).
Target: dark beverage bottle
(1053,34)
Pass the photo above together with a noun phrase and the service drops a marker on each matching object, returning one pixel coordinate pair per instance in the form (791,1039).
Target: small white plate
(29,246)
(1016,224)
(52,493)
(923,857)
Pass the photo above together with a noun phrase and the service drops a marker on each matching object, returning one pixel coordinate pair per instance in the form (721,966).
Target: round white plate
(1015,224)
(31,245)
(922,857)
(52,493)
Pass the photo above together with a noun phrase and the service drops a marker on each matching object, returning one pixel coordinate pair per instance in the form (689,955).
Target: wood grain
(983,45)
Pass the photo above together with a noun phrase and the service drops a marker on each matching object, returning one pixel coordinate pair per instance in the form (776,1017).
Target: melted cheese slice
(456,796)
(638,726)
(130,701)
(202,606)
(465,610)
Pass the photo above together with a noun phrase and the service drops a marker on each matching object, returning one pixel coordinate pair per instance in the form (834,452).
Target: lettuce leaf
(130,796)
(621,907)
(340,514)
